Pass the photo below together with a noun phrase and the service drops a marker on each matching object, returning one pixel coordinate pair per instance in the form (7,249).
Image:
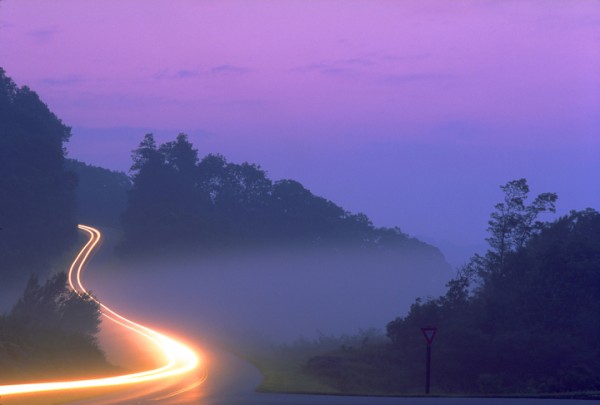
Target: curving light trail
(178,358)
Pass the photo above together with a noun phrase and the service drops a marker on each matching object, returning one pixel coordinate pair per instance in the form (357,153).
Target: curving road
(180,374)
(180,368)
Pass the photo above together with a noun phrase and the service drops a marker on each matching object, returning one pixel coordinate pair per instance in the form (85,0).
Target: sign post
(429,333)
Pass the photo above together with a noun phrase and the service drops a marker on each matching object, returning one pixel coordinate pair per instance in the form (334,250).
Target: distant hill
(173,201)
(178,201)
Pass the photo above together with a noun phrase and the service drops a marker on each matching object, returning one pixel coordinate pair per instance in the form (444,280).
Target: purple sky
(413,112)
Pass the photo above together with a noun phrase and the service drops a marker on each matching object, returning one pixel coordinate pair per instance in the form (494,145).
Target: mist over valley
(233,203)
(276,295)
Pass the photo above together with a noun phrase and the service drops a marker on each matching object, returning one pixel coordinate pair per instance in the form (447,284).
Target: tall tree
(513,222)
(164,205)
(182,157)
(531,324)
(37,194)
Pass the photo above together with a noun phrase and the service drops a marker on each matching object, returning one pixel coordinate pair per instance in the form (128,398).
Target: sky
(412,112)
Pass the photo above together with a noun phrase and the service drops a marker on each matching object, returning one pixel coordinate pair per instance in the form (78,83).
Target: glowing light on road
(179,359)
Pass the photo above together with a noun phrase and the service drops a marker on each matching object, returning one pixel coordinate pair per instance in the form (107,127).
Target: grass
(285,374)
(283,368)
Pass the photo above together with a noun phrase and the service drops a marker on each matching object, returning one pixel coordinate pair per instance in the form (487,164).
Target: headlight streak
(179,358)
(181,391)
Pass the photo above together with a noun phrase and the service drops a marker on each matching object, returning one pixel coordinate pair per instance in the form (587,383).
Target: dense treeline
(50,333)
(37,200)
(178,200)
(101,194)
(523,318)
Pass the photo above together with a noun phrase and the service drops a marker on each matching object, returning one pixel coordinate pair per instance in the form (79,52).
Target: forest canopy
(180,201)
(37,206)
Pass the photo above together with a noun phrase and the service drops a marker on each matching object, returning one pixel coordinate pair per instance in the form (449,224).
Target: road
(178,378)
(179,370)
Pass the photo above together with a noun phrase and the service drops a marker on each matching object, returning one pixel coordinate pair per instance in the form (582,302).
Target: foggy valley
(277,296)
(292,202)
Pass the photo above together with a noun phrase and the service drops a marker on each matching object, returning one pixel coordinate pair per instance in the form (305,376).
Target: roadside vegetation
(37,203)
(171,201)
(522,319)
(283,365)
(50,334)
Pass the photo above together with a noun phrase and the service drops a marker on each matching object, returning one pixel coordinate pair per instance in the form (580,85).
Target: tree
(101,193)
(513,223)
(181,159)
(50,334)
(181,156)
(55,305)
(37,192)
(531,324)
(165,203)
(178,201)
(149,200)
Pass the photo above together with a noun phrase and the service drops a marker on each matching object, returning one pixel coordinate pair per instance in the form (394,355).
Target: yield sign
(429,333)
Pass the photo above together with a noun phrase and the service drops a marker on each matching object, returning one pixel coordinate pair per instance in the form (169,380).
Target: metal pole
(428,369)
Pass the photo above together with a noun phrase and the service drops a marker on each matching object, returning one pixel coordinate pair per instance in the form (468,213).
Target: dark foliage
(50,333)
(523,318)
(101,193)
(178,201)
(37,200)
(55,305)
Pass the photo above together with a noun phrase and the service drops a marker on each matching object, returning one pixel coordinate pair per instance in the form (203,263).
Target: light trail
(179,359)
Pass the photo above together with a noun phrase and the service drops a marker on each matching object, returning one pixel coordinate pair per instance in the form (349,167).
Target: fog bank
(271,295)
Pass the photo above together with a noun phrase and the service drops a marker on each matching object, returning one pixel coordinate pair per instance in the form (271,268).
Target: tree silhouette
(529,324)
(50,334)
(177,201)
(513,223)
(54,305)
(101,193)
(38,197)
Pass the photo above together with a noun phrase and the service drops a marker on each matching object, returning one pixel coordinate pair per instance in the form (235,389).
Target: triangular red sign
(429,333)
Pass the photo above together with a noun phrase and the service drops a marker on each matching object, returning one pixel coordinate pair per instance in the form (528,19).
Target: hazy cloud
(404,58)
(63,81)
(331,69)
(309,68)
(413,77)
(353,66)
(194,73)
(184,73)
(340,67)
(356,62)
(230,69)
(335,71)
(43,35)
(178,74)
(162,74)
